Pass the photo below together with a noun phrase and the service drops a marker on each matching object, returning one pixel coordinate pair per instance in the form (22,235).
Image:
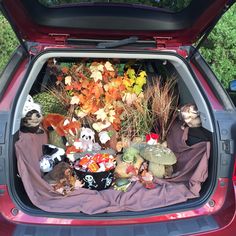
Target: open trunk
(163,65)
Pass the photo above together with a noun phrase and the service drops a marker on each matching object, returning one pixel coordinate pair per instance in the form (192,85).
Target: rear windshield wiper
(117,43)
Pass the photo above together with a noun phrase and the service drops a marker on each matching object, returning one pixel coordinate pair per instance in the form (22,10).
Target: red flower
(152,136)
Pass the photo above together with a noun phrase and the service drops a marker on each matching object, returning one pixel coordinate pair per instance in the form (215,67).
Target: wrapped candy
(96,163)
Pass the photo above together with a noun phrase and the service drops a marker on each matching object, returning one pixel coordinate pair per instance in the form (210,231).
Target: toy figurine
(62,179)
(52,155)
(161,160)
(190,116)
(31,117)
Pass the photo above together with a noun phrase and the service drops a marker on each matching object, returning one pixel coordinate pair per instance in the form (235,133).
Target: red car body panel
(11,90)
(28,30)
(221,207)
(211,96)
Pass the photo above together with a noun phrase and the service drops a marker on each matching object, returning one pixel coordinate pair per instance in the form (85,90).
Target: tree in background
(219,49)
(174,5)
(8,42)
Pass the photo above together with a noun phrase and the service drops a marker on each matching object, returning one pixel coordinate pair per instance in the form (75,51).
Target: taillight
(234,174)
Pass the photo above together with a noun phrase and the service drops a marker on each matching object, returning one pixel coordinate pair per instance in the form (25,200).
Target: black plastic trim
(191,204)
(172,228)
(4,116)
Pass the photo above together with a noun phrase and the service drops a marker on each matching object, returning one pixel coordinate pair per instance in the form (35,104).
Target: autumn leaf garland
(97,90)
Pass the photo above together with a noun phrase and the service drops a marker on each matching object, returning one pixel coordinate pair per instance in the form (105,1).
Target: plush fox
(61,125)
(55,122)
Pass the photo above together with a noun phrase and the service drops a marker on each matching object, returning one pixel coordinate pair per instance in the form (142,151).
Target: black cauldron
(96,180)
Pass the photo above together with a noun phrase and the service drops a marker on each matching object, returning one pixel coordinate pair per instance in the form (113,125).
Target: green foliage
(49,103)
(175,5)
(8,42)
(220,48)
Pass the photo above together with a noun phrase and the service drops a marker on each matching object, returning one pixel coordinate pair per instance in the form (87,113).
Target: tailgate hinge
(161,41)
(59,38)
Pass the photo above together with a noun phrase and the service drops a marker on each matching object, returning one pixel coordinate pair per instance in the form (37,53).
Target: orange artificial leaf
(68,87)
(116,126)
(76,85)
(85,92)
(108,98)
(59,78)
(112,74)
(94,107)
(72,149)
(87,107)
(82,76)
(85,83)
(65,70)
(82,98)
(97,91)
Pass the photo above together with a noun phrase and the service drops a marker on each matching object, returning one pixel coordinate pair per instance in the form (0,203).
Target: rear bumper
(216,217)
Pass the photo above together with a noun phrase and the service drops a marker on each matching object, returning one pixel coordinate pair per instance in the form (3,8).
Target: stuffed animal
(31,117)
(190,116)
(61,131)
(161,160)
(129,164)
(86,141)
(52,155)
(62,179)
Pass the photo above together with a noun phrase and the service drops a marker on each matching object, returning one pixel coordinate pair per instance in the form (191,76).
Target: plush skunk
(31,117)
(52,155)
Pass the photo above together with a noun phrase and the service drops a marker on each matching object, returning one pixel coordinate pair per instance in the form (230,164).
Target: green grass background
(219,50)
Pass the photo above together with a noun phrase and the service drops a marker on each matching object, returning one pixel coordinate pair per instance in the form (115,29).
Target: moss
(49,103)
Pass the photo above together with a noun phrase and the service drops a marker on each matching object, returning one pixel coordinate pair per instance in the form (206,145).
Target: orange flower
(65,70)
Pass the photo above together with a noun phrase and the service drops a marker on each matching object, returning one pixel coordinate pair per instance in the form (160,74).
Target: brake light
(234,173)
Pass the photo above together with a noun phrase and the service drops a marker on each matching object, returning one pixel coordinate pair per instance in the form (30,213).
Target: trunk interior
(157,65)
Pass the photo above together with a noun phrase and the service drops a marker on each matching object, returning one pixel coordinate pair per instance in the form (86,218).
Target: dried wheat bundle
(163,101)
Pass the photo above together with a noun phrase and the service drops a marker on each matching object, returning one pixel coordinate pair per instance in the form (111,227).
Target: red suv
(158,35)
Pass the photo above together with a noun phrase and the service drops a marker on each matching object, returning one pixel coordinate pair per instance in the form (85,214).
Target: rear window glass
(173,5)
